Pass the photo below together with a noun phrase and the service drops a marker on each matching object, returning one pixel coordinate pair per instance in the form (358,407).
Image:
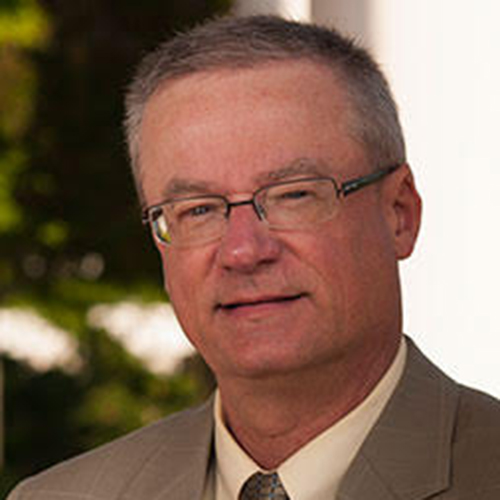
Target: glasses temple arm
(354,185)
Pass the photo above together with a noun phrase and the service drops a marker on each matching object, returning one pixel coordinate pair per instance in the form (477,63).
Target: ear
(403,209)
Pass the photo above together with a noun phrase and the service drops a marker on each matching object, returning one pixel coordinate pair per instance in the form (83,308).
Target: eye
(197,209)
(294,194)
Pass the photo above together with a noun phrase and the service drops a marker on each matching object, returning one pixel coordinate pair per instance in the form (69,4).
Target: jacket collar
(407,454)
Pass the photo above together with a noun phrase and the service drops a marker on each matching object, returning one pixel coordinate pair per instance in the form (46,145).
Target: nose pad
(248,242)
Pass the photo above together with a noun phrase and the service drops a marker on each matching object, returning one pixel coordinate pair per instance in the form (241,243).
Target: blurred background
(89,346)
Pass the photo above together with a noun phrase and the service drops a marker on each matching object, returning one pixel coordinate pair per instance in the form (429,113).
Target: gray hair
(232,42)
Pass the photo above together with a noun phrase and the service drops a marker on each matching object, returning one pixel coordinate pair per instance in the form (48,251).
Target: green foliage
(11,164)
(23,23)
(70,232)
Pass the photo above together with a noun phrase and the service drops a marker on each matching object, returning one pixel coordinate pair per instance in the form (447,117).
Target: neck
(273,417)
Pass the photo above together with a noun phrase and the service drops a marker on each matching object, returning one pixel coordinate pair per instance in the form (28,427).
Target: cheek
(177,281)
(184,274)
(178,287)
(180,271)
(353,267)
(323,263)
(336,272)
(375,272)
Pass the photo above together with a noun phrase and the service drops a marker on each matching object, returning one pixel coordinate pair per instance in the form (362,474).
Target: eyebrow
(179,186)
(300,166)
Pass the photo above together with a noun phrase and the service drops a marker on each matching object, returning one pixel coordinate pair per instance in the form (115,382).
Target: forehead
(288,80)
(225,125)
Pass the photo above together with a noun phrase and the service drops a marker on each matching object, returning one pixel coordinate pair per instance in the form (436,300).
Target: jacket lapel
(177,470)
(407,454)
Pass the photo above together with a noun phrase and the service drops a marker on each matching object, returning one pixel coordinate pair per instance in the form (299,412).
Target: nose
(247,243)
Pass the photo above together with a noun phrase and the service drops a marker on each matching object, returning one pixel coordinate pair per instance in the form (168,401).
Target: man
(271,166)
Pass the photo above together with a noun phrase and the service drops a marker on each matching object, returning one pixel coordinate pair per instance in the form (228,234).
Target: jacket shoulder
(477,412)
(105,472)
(476,445)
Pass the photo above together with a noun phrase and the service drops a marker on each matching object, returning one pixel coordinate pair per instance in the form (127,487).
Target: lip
(258,304)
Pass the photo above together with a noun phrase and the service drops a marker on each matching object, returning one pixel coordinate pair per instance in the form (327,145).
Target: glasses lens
(190,221)
(160,226)
(299,204)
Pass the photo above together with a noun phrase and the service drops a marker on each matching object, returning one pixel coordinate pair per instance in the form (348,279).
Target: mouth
(258,303)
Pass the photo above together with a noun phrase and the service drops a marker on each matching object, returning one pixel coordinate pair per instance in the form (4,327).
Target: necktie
(263,487)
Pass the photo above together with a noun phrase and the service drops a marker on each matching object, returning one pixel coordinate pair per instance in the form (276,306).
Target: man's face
(261,301)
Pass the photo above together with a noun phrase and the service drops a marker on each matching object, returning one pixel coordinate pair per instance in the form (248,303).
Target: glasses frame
(345,189)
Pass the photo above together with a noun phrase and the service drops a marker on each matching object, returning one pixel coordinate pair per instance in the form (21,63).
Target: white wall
(351,17)
(444,61)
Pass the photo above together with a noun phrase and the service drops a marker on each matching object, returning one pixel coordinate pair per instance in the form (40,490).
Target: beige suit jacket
(435,439)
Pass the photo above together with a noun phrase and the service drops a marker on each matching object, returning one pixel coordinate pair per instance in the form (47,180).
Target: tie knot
(263,487)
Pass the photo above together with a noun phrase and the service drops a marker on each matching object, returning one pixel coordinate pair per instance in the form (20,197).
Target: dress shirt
(323,461)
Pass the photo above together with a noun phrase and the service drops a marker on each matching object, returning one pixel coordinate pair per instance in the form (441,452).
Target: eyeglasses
(288,205)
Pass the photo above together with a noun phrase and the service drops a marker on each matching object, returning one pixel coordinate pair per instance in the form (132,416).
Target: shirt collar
(324,460)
